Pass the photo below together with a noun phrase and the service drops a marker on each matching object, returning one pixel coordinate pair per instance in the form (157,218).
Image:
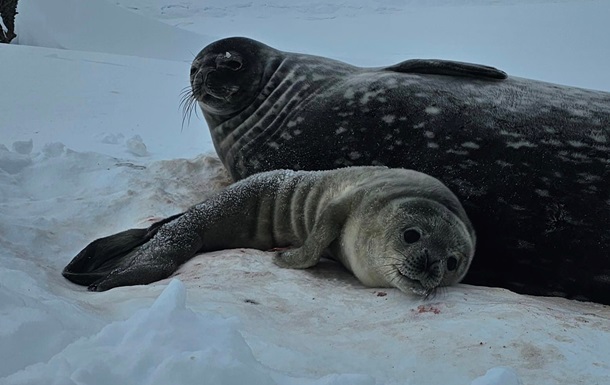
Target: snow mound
(13,162)
(36,323)
(110,29)
(136,146)
(95,102)
(164,344)
(498,376)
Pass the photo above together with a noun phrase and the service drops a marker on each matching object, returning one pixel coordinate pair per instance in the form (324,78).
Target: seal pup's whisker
(430,294)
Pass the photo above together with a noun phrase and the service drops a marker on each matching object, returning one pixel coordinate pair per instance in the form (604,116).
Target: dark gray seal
(529,160)
(390,227)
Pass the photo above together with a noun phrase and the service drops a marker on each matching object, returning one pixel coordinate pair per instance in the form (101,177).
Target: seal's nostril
(232,64)
(452,263)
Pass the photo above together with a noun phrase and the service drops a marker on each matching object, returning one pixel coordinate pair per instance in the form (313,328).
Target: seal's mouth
(415,284)
(217,88)
(213,91)
(209,85)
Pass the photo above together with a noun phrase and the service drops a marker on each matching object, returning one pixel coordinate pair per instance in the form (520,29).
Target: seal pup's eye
(452,263)
(411,236)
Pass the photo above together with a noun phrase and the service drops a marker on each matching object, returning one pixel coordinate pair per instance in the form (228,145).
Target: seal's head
(227,75)
(413,244)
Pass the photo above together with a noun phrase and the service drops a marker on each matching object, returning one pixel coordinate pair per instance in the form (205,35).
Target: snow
(159,345)
(61,24)
(91,143)
(500,375)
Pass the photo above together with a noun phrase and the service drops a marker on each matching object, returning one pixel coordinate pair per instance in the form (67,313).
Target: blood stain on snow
(428,309)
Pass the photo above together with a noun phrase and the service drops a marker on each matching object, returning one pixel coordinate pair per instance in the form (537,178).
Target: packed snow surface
(91,143)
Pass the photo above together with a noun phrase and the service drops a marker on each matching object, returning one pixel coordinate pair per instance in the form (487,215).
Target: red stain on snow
(428,309)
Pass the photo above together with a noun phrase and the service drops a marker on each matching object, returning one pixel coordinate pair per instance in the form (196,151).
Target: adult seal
(529,160)
(390,227)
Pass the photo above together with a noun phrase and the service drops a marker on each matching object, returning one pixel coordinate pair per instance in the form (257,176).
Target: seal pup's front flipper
(448,68)
(103,255)
(326,230)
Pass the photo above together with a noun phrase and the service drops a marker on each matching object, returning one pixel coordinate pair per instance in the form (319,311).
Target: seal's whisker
(392,275)
(387,269)
(187,104)
(392,259)
(430,294)
(440,291)
(393,278)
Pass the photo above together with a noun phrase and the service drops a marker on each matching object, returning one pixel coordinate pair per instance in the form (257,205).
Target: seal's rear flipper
(448,68)
(103,255)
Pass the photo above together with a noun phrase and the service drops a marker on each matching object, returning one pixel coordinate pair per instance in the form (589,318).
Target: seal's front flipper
(326,230)
(104,255)
(448,68)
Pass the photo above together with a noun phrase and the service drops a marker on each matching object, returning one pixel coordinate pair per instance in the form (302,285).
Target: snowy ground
(95,85)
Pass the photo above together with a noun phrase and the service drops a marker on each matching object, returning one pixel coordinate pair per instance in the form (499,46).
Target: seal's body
(390,227)
(529,160)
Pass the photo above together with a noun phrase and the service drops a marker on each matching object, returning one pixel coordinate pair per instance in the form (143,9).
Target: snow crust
(157,344)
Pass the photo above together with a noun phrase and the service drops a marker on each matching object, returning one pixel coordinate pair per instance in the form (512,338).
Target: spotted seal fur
(530,161)
(390,227)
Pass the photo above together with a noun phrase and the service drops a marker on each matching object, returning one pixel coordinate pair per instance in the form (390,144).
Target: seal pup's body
(530,161)
(390,227)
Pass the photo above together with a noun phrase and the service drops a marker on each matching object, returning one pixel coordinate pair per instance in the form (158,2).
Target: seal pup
(389,227)
(530,161)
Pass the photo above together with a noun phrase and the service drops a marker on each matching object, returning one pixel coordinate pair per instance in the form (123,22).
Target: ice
(136,146)
(498,376)
(166,343)
(13,162)
(23,147)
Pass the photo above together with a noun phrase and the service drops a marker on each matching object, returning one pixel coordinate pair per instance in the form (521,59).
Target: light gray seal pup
(530,161)
(390,227)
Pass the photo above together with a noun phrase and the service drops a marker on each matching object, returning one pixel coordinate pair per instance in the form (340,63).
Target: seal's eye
(411,236)
(452,263)
(193,70)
